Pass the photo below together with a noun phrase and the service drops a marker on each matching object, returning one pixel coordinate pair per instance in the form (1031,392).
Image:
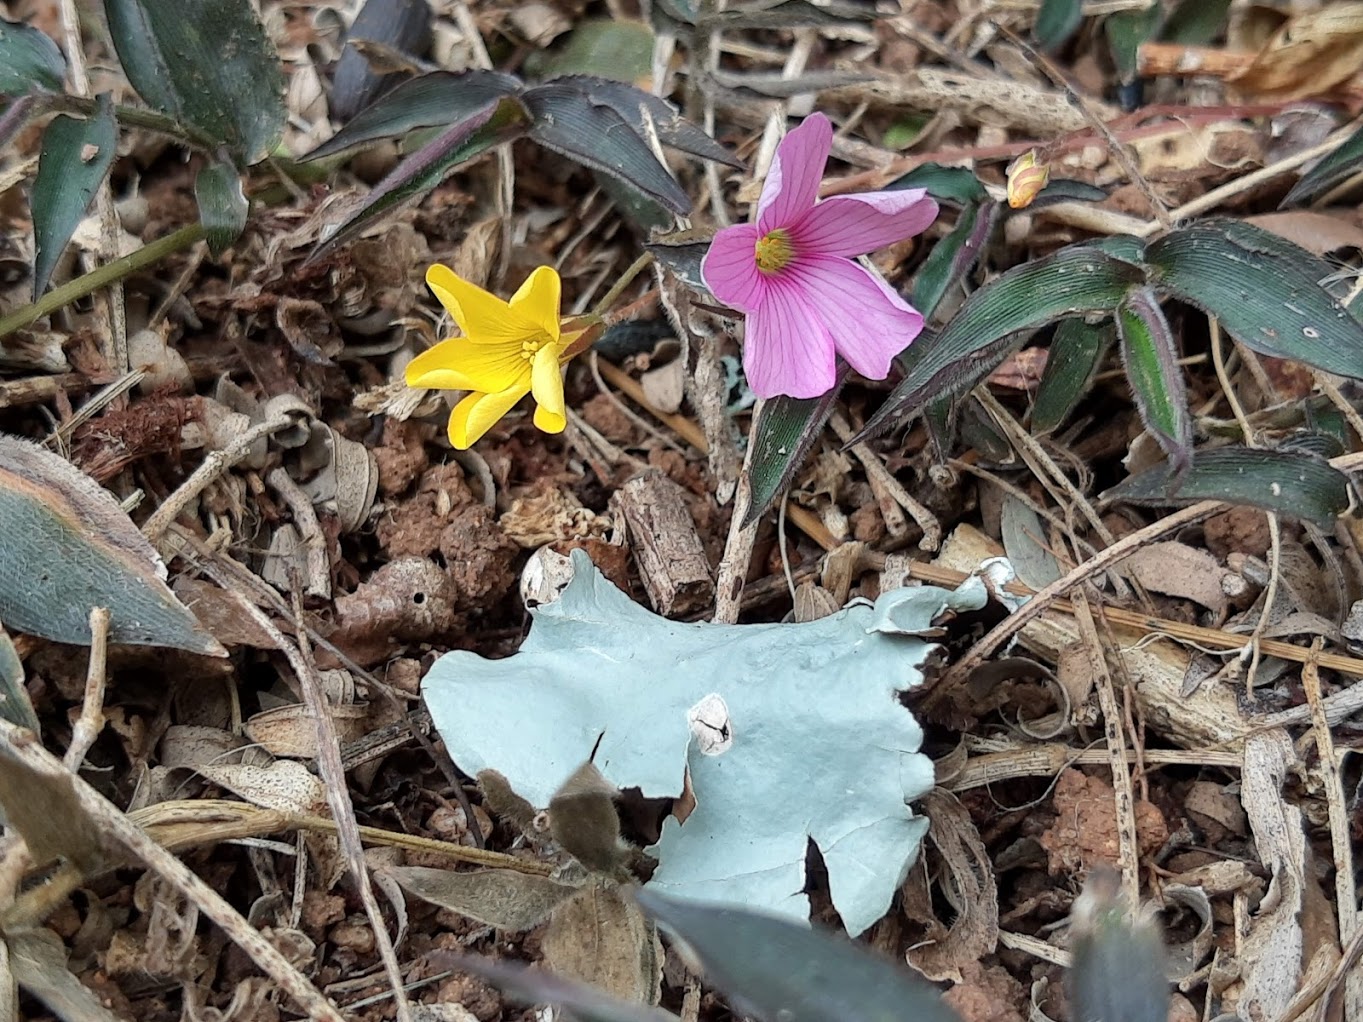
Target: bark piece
(667,548)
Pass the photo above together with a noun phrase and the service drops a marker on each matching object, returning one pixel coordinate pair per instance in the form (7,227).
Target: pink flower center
(774,251)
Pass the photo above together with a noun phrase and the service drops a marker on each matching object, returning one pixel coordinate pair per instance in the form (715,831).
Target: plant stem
(136,117)
(635,268)
(103,276)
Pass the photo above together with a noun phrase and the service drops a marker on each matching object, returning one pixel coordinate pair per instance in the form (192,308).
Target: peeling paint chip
(709,722)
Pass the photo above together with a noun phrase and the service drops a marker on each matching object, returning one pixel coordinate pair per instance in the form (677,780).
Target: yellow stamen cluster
(774,251)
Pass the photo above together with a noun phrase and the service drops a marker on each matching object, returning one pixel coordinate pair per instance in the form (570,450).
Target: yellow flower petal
(547,381)
(481,315)
(463,364)
(538,299)
(549,422)
(475,415)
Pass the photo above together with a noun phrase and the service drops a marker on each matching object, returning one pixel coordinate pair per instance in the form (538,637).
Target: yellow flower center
(531,345)
(774,251)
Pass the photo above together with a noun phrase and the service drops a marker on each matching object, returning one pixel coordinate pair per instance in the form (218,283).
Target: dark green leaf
(1265,290)
(1126,30)
(940,419)
(954,256)
(1076,352)
(15,706)
(500,122)
(619,50)
(568,121)
(1118,973)
(29,60)
(954,184)
(1064,189)
(1074,280)
(208,64)
(785,430)
(222,204)
(779,970)
(1335,169)
(636,207)
(1056,22)
(1151,360)
(1121,246)
(1195,22)
(637,107)
(75,157)
(536,986)
(403,25)
(980,430)
(1289,483)
(430,101)
(682,255)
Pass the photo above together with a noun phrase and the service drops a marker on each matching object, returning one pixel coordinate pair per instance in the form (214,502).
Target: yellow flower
(508,350)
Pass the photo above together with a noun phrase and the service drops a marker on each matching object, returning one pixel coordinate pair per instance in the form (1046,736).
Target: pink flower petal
(792,184)
(786,350)
(868,322)
(730,268)
(852,225)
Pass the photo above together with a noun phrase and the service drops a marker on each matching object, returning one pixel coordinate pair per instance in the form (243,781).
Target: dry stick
(1115,148)
(880,477)
(1216,196)
(333,775)
(115,825)
(1124,797)
(803,519)
(1119,551)
(733,566)
(1274,532)
(305,519)
(91,720)
(1345,895)
(214,465)
(1048,760)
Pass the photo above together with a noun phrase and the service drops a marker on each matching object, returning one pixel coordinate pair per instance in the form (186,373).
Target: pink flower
(793,273)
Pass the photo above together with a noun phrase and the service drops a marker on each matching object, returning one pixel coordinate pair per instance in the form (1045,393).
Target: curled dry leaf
(409,599)
(1189,573)
(284,785)
(71,548)
(291,731)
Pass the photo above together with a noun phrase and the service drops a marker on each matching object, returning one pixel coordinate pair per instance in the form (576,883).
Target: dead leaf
(603,938)
(1309,55)
(1182,571)
(503,898)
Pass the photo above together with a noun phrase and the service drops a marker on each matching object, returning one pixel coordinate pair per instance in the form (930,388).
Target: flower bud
(1026,178)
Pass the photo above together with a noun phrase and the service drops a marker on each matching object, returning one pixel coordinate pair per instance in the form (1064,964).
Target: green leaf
(1150,357)
(568,121)
(954,256)
(682,254)
(76,155)
(500,122)
(815,712)
(785,430)
(15,706)
(1077,279)
(71,548)
(1056,21)
(1126,30)
(1265,290)
(955,184)
(1064,189)
(429,101)
(645,113)
(536,986)
(208,64)
(1292,484)
(620,50)
(777,970)
(1335,169)
(29,60)
(1195,22)
(222,204)
(1077,351)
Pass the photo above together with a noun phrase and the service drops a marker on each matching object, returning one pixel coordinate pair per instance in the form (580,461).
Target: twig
(118,827)
(214,465)
(733,566)
(105,275)
(305,519)
(91,720)
(882,479)
(1128,842)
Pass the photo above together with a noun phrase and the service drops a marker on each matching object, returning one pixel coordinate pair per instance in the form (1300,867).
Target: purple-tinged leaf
(501,121)
(1076,280)
(954,256)
(430,101)
(568,121)
(404,25)
(1150,357)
